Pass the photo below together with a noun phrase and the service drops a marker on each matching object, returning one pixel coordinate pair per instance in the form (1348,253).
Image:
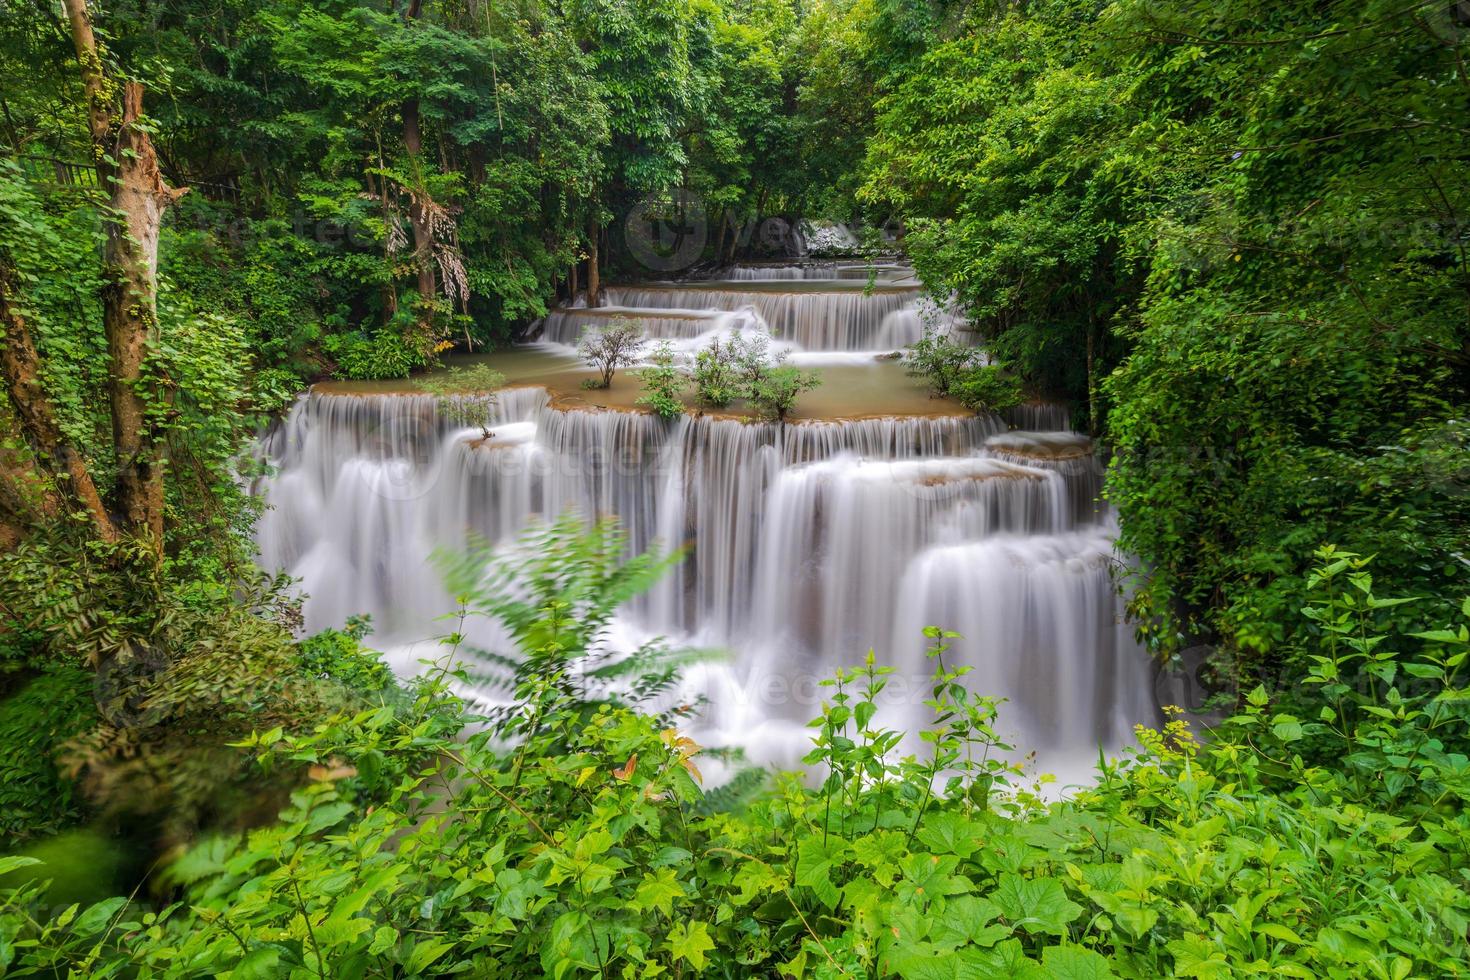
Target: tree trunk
(594,274)
(423,235)
(36,416)
(720,238)
(130,315)
(1091,378)
(127,164)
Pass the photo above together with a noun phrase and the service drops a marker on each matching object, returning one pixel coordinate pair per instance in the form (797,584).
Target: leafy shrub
(587,849)
(774,391)
(725,368)
(940,360)
(663,384)
(741,367)
(988,388)
(382,355)
(717,370)
(35,801)
(339,655)
(555,594)
(465,394)
(613,346)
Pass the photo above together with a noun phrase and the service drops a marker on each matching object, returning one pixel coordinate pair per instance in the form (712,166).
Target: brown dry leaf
(626,772)
(330,774)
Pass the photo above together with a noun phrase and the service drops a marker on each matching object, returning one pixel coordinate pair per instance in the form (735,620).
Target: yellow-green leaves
(690,941)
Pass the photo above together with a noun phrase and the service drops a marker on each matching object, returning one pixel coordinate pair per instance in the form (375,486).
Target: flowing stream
(808,544)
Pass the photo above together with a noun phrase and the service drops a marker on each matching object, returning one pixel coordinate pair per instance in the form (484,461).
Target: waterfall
(565,326)
(806,545)
(756,273)
(840,317)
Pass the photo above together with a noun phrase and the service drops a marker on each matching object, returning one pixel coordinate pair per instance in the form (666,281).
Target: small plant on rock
(941,360)
(663,383)
(614,346)
(466,395)
(775,390)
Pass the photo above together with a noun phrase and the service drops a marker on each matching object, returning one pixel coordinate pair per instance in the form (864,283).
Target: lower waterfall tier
(806,545)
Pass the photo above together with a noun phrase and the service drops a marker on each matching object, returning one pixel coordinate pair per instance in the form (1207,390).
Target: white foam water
(808,545)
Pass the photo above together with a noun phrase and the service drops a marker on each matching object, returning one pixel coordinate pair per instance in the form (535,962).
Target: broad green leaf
(690,942)
(1034,904)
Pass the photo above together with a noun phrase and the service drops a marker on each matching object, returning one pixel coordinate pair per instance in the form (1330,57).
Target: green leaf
(1074,963)
(950,833)
(9,864)
(97,917)
(1194,956)
(426,952)
(1277,931)
(966,919)
(814,867)
(1034,904)
(261,963)
(1007,961)
(689,942)
(658,891)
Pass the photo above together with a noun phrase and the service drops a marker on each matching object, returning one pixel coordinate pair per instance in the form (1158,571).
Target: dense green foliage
(345,157)
(419,846)
(1235,236)
(1232,236)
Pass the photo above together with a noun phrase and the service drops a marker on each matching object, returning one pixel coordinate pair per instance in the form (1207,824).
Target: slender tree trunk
(423,235)
(37,418)
(720,238)
(1091,376)
(127,166)
(130,315)
(594,274)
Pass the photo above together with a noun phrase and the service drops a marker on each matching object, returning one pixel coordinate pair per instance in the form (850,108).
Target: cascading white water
(843,317)
(757,273)
(566,326)
(807,544)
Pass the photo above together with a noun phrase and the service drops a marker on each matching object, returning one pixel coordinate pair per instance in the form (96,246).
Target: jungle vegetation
(1233,237)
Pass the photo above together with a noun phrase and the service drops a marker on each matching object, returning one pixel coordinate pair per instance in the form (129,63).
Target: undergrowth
(572,835)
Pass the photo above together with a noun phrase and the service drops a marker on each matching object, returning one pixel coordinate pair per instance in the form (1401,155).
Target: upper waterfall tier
(816,316)
(565,326)
(887,272)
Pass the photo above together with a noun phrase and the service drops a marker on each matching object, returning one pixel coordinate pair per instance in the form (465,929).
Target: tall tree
(128,175)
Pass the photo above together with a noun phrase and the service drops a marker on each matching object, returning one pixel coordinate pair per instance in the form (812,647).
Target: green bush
(52,707)
(383,355)
(588,847)
(466,394)
(663,384)
(988,388)
(340,656)
(774,391)
(721,366)
(941,361)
